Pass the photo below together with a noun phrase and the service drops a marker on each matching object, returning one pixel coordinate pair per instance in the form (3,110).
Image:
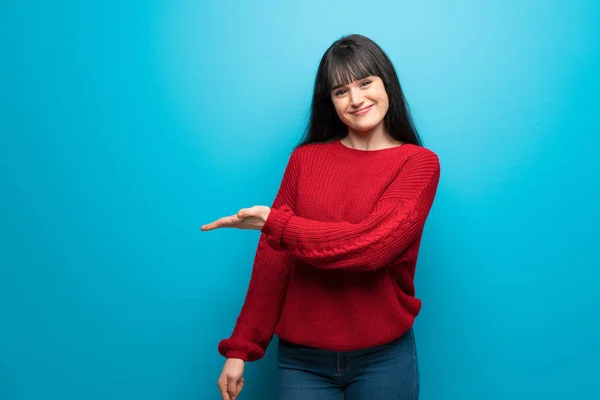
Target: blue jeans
(388,371)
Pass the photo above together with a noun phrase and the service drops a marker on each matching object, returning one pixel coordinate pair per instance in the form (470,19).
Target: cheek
(385,107)
(384,102)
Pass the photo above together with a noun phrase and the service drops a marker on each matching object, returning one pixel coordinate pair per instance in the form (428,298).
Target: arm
(396,221)
(264,299)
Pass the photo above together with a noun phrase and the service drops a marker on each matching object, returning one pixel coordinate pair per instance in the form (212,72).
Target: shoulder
(309,151)
(312,147)
(419,151)
(420,154)
(420,160)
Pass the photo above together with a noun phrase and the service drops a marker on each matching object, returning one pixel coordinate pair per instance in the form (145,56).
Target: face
(362,104)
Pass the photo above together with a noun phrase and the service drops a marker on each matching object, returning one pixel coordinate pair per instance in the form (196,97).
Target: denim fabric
(388,371)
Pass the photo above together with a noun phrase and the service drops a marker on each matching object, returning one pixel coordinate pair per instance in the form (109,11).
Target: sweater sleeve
(262,306)
(396,221)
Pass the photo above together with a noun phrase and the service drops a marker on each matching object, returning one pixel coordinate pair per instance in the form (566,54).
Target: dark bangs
(347,63)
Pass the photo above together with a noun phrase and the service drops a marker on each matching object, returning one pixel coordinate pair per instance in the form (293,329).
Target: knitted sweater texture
(335,262)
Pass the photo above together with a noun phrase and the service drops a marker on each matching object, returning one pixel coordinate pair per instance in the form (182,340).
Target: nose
(356,97)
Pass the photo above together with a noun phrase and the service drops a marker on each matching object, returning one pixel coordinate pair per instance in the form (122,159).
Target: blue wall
(126,126)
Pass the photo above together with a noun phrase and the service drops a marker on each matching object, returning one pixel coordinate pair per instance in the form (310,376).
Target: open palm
(247,218)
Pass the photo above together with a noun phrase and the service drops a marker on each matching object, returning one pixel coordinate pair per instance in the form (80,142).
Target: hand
(247,218)
(231,381)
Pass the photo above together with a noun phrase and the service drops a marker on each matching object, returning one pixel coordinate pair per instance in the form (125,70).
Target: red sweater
(336,258)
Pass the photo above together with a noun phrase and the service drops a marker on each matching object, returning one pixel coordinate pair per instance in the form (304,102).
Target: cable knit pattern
(336,258)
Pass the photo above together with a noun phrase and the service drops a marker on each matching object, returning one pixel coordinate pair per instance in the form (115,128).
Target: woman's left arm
(397,220)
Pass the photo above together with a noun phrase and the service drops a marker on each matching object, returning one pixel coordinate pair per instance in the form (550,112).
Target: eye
(365,83)
(339,92)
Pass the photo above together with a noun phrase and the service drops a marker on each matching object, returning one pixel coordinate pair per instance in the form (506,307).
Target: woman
(334,267)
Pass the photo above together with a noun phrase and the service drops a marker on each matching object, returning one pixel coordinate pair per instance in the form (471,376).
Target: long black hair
(350,58)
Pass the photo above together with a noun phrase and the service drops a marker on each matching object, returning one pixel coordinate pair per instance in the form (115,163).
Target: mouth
(362,111)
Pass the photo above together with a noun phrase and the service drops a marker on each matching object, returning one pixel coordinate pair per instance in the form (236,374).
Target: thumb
(253,211)
(224,393)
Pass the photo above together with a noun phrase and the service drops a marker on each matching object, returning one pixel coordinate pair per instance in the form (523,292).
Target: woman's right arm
(262,307)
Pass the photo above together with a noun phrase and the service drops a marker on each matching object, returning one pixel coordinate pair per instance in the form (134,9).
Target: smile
(363,111)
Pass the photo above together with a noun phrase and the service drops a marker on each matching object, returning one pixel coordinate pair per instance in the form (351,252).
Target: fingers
(240,386)
(246,218)
(234,387)
(239,390)
(234,220)
(223,389)
(224,222)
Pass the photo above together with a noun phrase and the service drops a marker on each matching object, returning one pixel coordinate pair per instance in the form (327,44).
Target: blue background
(127,125)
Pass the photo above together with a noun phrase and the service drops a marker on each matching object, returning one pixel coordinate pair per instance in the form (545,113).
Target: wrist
(265,216)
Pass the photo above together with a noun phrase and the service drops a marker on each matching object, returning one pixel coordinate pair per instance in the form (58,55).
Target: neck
(373,139)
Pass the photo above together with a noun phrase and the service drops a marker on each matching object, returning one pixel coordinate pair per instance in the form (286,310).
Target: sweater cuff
(275,225)
(236,354)
(245,350)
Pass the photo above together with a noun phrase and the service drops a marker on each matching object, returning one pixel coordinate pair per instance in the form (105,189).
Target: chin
(364,127)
